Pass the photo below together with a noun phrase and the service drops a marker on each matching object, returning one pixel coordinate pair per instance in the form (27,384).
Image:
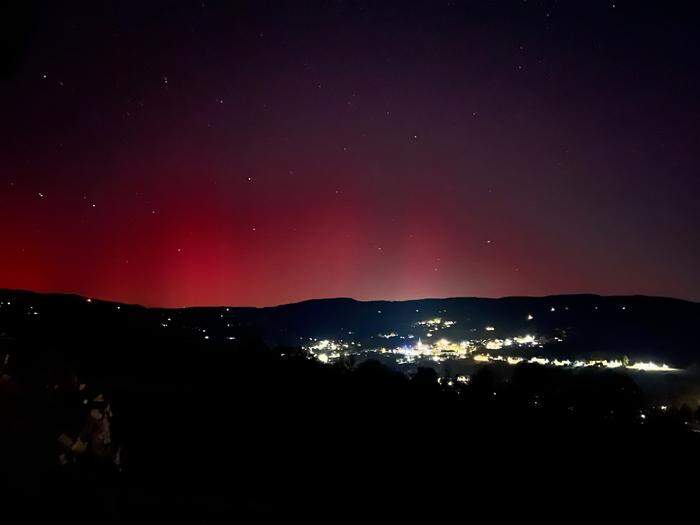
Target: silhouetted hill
(126,414)
(640,327)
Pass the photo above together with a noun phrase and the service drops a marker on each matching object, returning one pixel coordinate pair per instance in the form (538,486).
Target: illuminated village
(426,343)
(411,348)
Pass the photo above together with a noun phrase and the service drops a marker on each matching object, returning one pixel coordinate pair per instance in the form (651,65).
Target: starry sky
(254,153)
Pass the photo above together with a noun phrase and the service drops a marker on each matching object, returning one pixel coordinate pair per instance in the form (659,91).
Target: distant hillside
(186,415)
(636,326)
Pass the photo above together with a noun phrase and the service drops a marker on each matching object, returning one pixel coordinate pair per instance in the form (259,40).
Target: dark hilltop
(209,415)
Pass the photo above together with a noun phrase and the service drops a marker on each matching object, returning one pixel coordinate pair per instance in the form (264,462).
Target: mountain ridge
(342,299)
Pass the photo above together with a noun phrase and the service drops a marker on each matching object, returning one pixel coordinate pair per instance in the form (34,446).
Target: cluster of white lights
(430,322)
(327,350)
(437,350)
(436,322)
(647,366)
(480,350)
(525,340)
(327,344)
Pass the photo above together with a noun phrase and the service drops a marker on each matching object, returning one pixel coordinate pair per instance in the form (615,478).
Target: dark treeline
(210,433)
(106,416)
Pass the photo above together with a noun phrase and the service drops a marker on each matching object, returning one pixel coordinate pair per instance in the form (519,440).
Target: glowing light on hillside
(487,350)
(650,366)
(525,340)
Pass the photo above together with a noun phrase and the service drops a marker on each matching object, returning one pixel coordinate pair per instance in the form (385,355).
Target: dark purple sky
(178,153)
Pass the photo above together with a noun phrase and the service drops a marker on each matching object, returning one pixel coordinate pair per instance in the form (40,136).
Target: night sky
(181,153)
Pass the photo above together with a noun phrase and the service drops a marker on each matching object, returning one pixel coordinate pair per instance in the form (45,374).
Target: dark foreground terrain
(107,417)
